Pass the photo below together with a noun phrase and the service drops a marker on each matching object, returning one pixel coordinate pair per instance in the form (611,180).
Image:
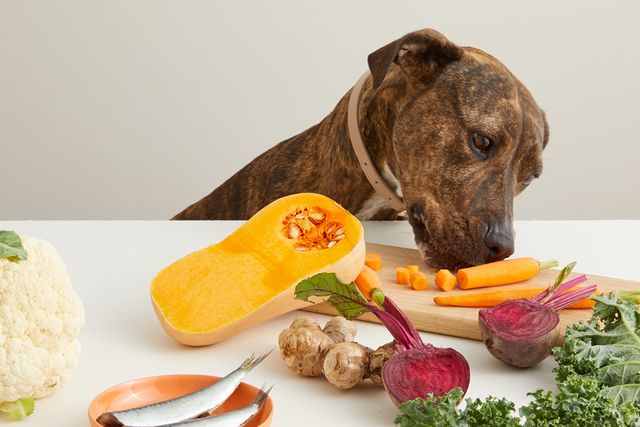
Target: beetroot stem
(400,334)
(564,300)
(410,334)
(548,293)
(570,284)
(391,308)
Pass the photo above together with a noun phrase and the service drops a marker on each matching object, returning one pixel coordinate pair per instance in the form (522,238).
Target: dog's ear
(418,54)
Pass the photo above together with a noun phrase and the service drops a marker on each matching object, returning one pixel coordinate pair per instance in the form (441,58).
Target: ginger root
(340,329)
(346,364)
(303,347)
(377,361)
(311,351)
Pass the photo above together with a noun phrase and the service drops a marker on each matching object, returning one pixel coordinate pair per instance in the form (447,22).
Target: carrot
(412,269)
(501,272)
(445,280)
(493,297)
(486,298)
(419,281)
(585,303)
(402,276)
(374,261)
(367,281)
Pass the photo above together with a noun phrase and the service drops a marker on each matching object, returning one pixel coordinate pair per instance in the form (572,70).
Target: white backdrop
(135,109)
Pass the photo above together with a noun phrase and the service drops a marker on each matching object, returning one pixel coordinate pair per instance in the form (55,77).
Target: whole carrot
(486,298)
(501,272)
(493,297)
(367,281)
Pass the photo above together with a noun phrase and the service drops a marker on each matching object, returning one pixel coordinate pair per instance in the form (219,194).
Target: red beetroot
(522,332)
(417,369)
(415,373)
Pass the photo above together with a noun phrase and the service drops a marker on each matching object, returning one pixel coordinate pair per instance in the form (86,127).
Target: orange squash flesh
(250,276)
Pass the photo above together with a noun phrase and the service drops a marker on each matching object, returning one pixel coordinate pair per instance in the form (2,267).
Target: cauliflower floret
(40,321)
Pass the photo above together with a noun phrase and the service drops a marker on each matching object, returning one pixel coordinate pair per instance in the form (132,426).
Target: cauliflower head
(40,321)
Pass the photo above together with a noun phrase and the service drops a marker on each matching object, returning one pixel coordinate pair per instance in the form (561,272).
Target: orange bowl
(145,391)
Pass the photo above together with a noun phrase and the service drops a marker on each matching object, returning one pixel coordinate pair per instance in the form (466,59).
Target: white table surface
(112,262)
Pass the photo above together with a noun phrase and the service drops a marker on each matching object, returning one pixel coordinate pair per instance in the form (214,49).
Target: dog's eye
(481,143)
(529,180)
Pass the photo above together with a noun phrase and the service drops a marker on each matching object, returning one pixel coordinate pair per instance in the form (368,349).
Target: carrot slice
(501,272)
(373,261)
(419,281)
(413,269)
(445,280)
(367,281)
(402,276)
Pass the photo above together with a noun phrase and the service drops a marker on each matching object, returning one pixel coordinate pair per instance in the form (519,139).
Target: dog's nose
(499,241)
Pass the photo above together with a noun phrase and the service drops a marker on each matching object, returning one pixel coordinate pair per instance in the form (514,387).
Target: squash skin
(257,258)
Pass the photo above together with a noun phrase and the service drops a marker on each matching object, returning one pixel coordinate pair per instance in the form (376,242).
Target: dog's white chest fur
(375,202)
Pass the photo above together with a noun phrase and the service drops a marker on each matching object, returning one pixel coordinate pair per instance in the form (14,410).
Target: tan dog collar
(366,164)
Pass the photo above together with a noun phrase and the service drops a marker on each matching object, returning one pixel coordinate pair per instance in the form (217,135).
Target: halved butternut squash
(250,276)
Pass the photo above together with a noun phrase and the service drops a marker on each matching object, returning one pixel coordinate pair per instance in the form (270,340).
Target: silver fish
(236,418)
(185,407)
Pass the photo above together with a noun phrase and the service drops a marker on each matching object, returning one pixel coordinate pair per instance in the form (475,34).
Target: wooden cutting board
(456,321)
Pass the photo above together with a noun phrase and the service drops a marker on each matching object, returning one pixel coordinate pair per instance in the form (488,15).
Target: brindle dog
(449,127)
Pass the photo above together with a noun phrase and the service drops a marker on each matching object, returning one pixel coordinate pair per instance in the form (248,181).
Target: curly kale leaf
(431,411)
(443,412)
(490,412)
(606,348)
(578,403)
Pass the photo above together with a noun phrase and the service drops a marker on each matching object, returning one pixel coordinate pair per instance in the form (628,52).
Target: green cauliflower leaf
(11,246)
(18,409)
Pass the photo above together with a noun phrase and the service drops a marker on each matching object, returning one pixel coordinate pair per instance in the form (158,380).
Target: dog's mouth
(438,252)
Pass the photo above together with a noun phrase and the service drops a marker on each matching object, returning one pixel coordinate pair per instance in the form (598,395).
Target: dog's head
(467,139)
